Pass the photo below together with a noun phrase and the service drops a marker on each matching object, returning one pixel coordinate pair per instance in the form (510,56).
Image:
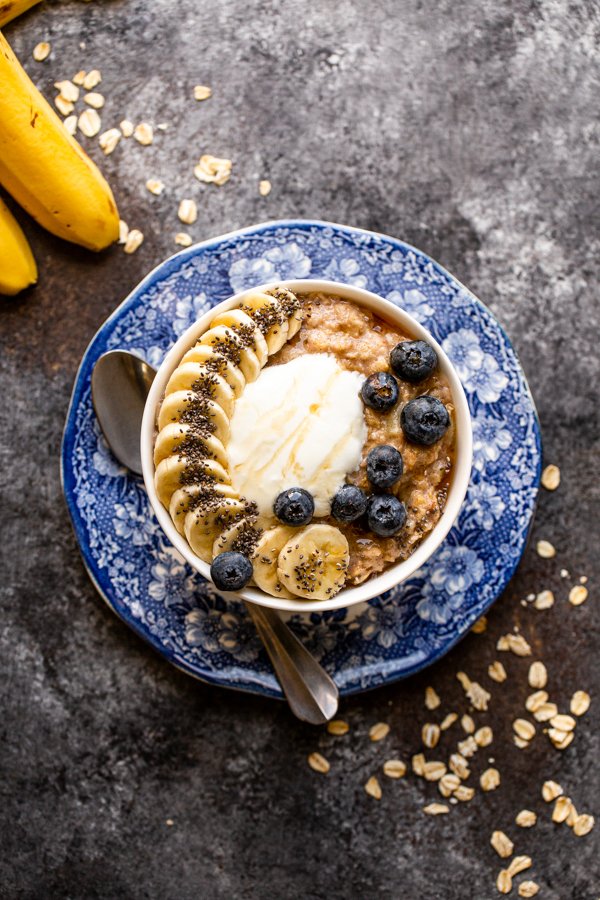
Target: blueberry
(413,360)
(380,391)
(294,506)
(424,420)
(349,503)
(230,571)
(384,466)
(385,514)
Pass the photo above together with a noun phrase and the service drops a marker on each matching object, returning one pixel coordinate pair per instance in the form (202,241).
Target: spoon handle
(310,692)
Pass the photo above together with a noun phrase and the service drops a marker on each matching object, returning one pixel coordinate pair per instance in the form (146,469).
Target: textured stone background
(468,129)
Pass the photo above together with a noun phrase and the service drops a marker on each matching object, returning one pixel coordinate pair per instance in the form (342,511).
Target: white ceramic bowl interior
(462,466)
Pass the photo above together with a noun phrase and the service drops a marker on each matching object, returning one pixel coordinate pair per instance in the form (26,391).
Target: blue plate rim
(166,267)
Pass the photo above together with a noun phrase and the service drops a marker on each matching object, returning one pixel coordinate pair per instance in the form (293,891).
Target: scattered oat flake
(373,788)
(475,692)
(79,78)
(430,734)
(519,742)
(89,122)
(561,739)
(183,239)
(458,764)
(108,140)
(187,212)
(504,882)
(264,188)
(551,478)
(526,818)
(336,726)
(484,736)
(467,747)
(394,768)
(449,720)
(213,170)
(480,625)
(126,127)
(448,783)
(544,600)
(502,844)
(418,763)
(436,809)
(528,889)
(562,808)
(497,672)
(134,240)
(94,99)
(538,675)
(155,186)
(162,126)
(573,816)
(92,80)
(434,770)
(583,825)
(68,90)
(70,124)
(578,595)
(169,822)
(489,780)
(551,790)
(563,722)
(519,864)
(432,700)
(318,763)
(545,712)
(545,549)
(143,133)
(379,731)
(123,231)
(464,793)
(516,643)
(202,92)
(41,51)
(524,729)
(580,703)
(467,724)
(65,107)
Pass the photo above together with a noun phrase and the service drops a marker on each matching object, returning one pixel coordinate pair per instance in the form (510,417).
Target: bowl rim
(395,574)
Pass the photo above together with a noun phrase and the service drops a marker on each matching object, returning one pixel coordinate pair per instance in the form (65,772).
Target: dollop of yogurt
(300,424)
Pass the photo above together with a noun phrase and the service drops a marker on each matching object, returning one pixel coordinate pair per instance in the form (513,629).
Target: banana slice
(202,525)
(208,356)
(264,560)
(291,308)
(241,536)
(177,433)
(182,498)
(227,342)
(268,315)
(240,322)
(170,472)
(192,376)
(313,562)
(189,407)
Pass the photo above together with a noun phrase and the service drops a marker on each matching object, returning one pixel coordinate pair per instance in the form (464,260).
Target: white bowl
(462,466)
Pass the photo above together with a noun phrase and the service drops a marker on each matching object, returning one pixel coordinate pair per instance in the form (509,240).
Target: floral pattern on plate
(146,582)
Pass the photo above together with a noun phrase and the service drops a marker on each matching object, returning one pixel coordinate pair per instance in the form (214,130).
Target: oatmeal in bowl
(306,445)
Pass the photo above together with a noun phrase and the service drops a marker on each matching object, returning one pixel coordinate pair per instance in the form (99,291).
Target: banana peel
(10,9)
(17,265)
(45,169)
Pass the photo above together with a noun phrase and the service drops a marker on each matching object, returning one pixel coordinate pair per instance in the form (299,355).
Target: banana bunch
(10,9)
(190,457)
(47,173)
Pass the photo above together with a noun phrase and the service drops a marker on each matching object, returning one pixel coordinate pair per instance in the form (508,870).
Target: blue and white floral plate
(152,589)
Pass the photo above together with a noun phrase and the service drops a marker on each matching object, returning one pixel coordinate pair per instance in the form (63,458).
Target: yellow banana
(45,169)
(10,9)
(17,265)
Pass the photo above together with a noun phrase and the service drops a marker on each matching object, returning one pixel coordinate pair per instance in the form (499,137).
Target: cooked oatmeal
(362,342)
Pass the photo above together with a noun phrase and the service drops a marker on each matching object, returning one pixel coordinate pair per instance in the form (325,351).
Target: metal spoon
(120,383)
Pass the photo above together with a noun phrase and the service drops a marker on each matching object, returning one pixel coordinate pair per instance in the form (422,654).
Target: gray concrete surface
(468,129)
